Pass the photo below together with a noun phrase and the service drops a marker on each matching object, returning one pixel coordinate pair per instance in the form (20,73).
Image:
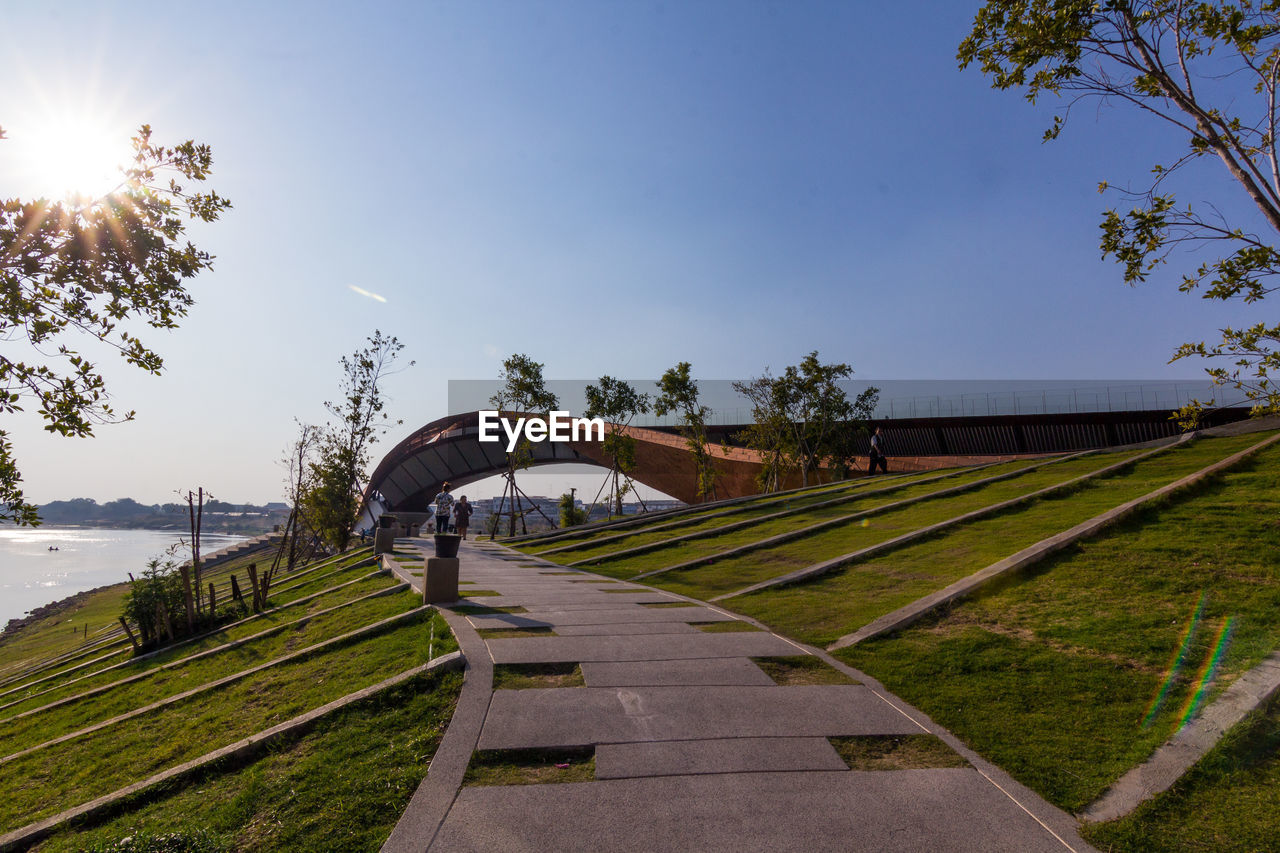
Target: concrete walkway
(696,747)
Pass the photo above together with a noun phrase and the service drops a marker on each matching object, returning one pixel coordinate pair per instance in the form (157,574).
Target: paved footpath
(696,747)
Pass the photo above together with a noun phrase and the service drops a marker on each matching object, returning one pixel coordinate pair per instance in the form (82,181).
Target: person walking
(876,456)
(462,515)
(444,508)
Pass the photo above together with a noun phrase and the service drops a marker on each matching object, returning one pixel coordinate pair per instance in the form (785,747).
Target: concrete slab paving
(911,810)
(574,716)
(621,629)
(707,672)
(726,755)
(720,757)
(610,615)
(574,594)
(703,645)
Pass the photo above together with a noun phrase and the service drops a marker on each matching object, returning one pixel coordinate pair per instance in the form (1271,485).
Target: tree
(618,402)
(300,481)
(1210,70)
(678,393)
(90,269)
(523,391)
(570,515)
(816,406)
(805,420)
(770,433)
(343,453)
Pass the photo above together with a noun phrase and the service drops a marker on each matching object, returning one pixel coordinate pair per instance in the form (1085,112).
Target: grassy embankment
(1073,674)
(339,785)
(608,559)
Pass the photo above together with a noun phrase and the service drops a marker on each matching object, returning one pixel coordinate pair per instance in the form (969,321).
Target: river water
(31,575)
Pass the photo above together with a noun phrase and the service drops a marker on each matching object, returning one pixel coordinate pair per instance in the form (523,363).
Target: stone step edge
(924,532)
(333,642)
(197,637)
(30,834)
(749,522)
(1033,554)
(850,490)
(183,661)
(801,532)
(1180,753)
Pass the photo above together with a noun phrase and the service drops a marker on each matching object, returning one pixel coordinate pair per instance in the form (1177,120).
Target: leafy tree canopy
(1210,70)
(94,269)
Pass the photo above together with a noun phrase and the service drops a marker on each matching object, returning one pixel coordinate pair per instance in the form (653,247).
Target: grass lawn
(76,681)
(531,766)
(696,513)
(838,538)
(56,634)
(677,552)
(1227,803)
(823,609)
(1075,673)
(342,786)
(76,771)
(34,729)
(647,534)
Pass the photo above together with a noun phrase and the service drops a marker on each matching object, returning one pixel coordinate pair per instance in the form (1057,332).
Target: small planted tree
(819,412)
(523,391)
(770,433)
(618,402)
(570,515)
(343,453)
(678,393)
(158,604)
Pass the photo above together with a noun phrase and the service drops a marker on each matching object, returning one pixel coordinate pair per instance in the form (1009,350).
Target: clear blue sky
(608,187)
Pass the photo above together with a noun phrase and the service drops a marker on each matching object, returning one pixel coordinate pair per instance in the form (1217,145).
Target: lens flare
(1175,666)
(1208,672)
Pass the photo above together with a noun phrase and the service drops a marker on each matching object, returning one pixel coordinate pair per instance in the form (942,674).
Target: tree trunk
(253,585)
(129,634)
(187,598)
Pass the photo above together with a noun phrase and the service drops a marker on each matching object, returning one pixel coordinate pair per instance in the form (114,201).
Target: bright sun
(68,153)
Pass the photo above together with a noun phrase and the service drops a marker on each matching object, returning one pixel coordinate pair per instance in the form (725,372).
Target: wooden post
(213,600)
(129,634)
(195,560)
(235,590)
(187,598)
(253,585)
(266,583)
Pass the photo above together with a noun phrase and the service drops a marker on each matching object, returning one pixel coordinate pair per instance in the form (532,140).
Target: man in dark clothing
(462,516)
(876,457)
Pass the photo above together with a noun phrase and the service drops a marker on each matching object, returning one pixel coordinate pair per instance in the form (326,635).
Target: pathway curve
(696,747)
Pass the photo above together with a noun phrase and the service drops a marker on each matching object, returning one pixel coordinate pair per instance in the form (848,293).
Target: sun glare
(67,154)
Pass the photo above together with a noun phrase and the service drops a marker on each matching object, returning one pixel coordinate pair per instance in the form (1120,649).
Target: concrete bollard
(440,582)
(384,540)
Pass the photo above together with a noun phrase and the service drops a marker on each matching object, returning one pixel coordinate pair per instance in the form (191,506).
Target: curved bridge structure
(449,450)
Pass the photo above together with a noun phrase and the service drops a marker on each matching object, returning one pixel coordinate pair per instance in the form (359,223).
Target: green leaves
(331,495)
(79,268)
(1209,69)
(678,392)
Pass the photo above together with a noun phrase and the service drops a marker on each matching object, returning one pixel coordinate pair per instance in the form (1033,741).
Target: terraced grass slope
(1111,643)
(1067,675)
(72,731)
